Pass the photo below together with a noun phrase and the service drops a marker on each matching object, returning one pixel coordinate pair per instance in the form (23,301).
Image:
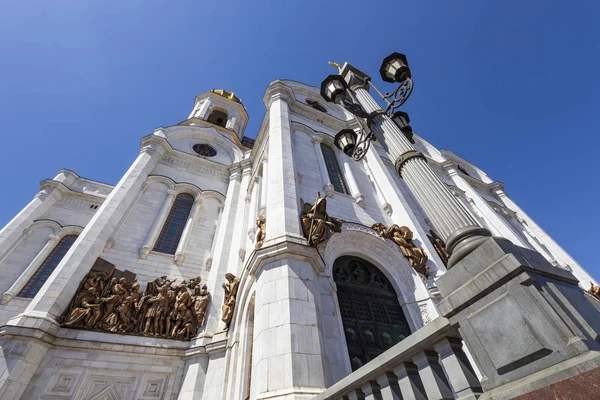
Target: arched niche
(363,242)
(372,317)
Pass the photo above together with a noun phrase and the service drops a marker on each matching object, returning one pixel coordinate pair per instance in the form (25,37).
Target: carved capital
(27,232)
(316,139)
(53,239)
(404,157)
(208,264)
(360,200)
(110,243)
(144,252)
(179,259)
(329,190)
(171,193)
(6,297)
(387,208)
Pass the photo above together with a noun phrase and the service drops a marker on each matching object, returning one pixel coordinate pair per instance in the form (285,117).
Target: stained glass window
(333,169)
(41,275)
(173,228)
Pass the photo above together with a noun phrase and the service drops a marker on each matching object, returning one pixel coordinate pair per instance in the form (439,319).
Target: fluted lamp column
(457,228)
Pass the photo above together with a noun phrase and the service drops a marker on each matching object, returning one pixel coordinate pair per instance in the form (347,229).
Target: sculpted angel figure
(231,288)
(261,231)
(317,225)
(403,237)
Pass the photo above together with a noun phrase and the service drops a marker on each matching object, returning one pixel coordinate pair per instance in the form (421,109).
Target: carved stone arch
(44,223)
(165,180)
(207,134)
(190,189)
(384,255)
(211,194)
(326,139)
(69,230)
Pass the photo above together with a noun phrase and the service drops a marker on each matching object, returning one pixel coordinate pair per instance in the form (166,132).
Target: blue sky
(511,86)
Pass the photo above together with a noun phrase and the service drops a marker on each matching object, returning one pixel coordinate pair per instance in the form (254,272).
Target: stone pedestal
(527,323)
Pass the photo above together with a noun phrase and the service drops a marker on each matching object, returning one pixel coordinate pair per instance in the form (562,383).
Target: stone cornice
(285,249)
(277,87)
(317,116)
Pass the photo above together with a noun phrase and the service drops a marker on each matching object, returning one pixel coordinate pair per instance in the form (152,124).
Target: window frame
(174,222)
(334,170)
(47,267)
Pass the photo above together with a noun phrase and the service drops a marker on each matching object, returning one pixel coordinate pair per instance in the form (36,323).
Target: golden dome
(226,94)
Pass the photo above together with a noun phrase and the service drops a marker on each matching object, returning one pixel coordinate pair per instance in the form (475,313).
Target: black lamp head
(333,89)
(345,140)
(394,68)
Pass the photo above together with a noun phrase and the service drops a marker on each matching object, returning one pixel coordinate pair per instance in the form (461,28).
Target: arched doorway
(371,315)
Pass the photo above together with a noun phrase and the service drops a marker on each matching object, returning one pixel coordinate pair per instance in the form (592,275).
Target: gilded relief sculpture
(261,231)
(403,237)
(231,288)
(317,225)
(594,290)
(109,300)
(439,246)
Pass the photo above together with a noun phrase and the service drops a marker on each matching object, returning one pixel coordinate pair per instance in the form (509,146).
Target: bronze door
(371,315)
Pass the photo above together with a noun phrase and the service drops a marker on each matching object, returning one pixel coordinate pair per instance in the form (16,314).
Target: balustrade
(428,365)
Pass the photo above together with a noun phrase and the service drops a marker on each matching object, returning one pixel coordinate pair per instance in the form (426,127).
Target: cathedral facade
(221,267)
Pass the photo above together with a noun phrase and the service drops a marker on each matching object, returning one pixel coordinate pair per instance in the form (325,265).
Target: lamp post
(350,89)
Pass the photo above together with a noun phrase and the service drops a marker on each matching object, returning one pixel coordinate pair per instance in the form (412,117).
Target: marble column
(240,224)
(264,183)
(327,186)
(350,179)
(157,225)
(253,211)
(457,228)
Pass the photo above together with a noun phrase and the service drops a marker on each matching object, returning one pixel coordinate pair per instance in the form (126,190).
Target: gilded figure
(231,288)
(317,225)
(261,232)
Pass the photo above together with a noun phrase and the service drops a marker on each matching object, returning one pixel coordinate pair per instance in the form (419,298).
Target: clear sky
(512,86)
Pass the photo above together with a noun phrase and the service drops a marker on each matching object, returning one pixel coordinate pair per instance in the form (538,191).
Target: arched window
(173,228)
(43,272)
(333,169)
(371,315)
(218,117)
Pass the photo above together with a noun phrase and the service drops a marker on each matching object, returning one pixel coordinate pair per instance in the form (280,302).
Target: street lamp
(350,89)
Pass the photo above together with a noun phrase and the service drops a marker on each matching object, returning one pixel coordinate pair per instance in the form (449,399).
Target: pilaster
(289,348)
(282,202)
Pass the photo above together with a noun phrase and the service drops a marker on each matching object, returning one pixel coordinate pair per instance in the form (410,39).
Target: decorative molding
(210,171)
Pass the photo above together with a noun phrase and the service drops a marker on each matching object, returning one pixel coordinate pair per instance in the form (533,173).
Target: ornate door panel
(372,318)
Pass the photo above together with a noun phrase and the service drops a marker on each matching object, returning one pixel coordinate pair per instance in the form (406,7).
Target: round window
(204,150)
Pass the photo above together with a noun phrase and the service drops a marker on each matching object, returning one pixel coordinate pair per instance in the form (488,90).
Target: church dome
(226,94)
